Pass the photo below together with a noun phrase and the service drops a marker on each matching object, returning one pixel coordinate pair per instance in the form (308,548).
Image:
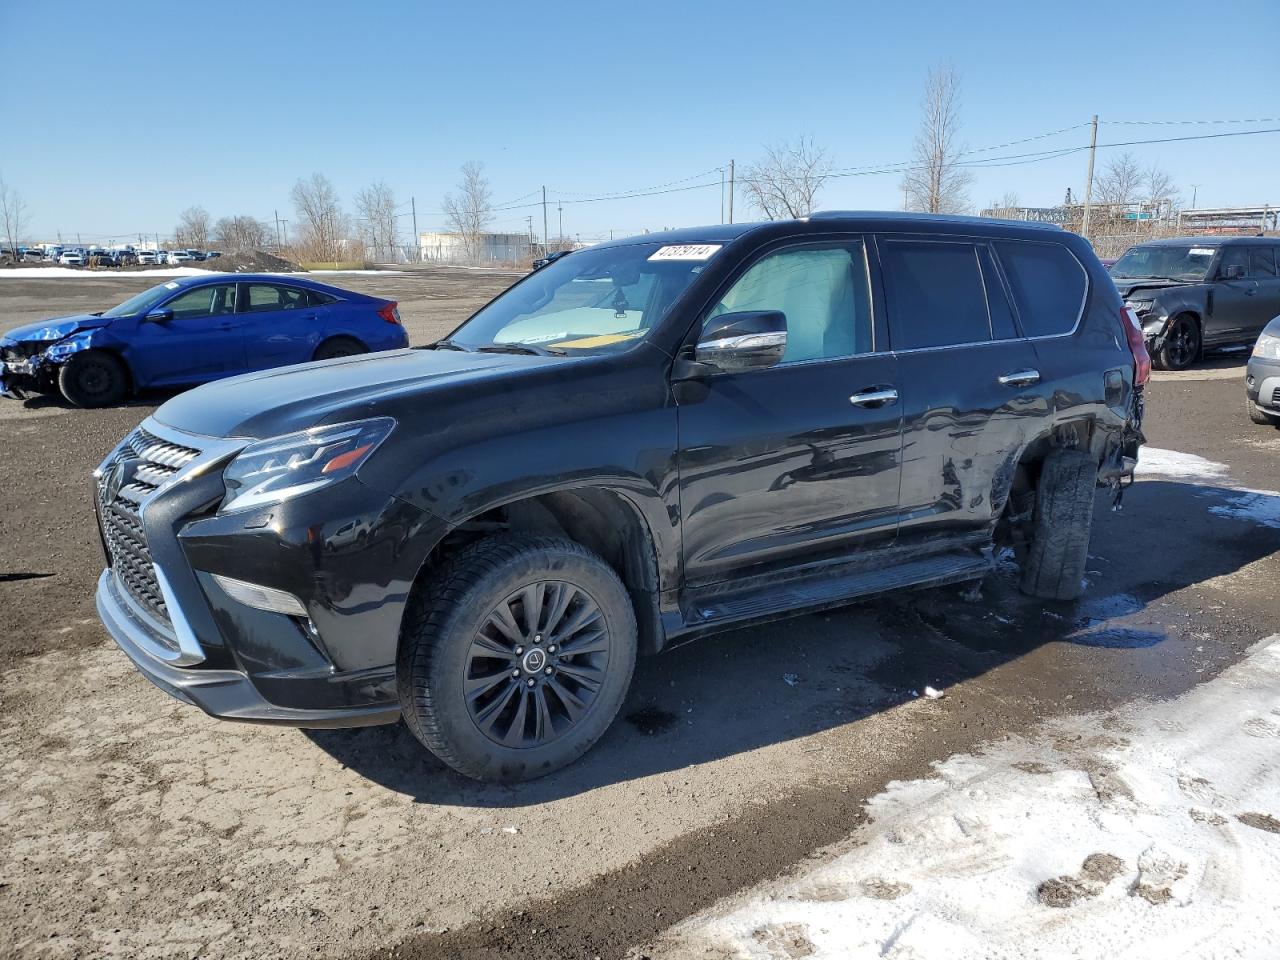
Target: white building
(449,247)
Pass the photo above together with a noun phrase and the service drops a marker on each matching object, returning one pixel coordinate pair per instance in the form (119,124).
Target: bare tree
(322,226)
(193,228)
(1119,182)
(376,209)
(469,209)
(784,183)
(241,233)
(13,213)
(1158,187)
(1007,206)
(936,183)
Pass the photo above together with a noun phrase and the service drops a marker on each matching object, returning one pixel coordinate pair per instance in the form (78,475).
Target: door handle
(875,397)
(1020,378)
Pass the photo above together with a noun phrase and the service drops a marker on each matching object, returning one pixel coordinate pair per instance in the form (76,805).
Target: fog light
(260,597)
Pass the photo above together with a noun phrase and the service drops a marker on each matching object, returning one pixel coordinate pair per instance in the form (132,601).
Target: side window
(319,299)
(204,302)
(822,289)
(269,296)
(1262,262)
(934,293)
(1048,285)
(1234,257)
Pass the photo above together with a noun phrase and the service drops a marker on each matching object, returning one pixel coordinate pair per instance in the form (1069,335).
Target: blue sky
(131,112)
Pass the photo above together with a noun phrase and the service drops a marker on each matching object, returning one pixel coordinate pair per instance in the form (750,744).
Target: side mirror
(1233,271)
(747,340)
(163,315)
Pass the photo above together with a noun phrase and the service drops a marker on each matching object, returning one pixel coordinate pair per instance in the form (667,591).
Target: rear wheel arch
(339,345)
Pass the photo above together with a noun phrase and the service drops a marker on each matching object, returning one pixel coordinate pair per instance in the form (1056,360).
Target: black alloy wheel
(536,664)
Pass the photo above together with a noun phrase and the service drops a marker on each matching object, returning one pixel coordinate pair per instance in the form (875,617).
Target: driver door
(783,464)
(201,341)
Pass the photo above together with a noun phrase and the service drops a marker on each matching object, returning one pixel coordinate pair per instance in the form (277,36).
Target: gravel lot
(133,826)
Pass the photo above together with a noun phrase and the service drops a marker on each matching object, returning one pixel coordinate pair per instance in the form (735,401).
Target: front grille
(1275,397)
(141,465)
(19,351)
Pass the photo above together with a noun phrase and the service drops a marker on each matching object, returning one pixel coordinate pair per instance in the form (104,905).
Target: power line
(1157,123)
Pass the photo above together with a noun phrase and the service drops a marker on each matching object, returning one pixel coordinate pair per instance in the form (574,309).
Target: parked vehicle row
(646,441)
(114,257)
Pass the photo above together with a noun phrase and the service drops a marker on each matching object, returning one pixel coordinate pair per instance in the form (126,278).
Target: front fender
(65,349)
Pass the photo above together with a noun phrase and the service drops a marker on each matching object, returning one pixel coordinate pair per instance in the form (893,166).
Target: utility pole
(560,229)
(722,194)
(1088,186)
(417,241)
(1195,188)
(731,191)
(545,248)
(279,242)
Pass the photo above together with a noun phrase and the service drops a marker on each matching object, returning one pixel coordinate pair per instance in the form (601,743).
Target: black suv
(649,440)
(1194,293)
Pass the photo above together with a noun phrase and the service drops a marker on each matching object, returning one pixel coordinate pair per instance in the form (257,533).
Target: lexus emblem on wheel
(534,661)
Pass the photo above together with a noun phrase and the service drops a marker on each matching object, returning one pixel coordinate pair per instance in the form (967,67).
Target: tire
(1055,562)
(1182,344)
(336,347)
(517,722)
(93,379)
(1258,415)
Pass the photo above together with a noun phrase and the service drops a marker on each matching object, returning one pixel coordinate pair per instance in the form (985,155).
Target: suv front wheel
(516,656)
(1181,346)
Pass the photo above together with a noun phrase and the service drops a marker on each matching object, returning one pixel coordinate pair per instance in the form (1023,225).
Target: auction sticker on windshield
(686,251)
(1201,251)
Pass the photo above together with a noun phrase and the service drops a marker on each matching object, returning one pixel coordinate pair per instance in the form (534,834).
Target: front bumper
(1262,383)
(347,552)
(227,694)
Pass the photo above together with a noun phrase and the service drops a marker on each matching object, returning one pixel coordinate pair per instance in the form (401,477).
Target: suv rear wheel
(1055,561)
(516,657)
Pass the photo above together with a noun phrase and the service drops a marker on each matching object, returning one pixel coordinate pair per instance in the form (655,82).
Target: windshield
(592,301)
(1173,263)
(143,301)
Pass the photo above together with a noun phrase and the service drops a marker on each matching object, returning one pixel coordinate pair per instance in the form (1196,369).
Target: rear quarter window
(1048,285)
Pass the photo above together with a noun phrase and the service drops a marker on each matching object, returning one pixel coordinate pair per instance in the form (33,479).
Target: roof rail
(924,218)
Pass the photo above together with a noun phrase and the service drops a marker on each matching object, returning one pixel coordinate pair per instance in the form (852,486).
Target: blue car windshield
(591,301)
(142,302)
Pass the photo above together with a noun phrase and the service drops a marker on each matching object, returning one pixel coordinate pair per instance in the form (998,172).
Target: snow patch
(1143,833)
(1154,462)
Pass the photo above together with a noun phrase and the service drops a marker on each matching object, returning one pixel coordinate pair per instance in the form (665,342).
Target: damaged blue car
(192,330)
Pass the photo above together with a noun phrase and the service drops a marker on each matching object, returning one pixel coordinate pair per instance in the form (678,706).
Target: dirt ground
(133,826)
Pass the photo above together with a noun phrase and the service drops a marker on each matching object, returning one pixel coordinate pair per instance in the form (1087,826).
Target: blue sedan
(192,330)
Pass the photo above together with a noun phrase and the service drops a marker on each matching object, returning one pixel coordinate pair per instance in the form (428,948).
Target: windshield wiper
(524,348)
(449,345)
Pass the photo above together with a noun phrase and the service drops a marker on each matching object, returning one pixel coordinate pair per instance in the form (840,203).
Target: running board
(826,587)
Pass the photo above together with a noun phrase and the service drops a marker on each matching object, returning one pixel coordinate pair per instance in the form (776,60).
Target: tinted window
(1233,257)
(319,299)
(934,294)
(822,290)
(1048,286)
(204,301)
(1262,262)
(265,296)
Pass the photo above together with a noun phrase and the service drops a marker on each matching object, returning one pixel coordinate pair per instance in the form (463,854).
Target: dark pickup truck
(1197,293)
(646,441)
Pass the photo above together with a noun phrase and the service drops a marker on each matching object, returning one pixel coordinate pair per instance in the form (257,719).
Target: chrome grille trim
(157,458)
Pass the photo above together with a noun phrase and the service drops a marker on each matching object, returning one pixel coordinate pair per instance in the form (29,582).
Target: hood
(53,330)
(288,399)
(1127,285)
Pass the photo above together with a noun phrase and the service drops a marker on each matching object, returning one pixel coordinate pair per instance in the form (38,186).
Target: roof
(864,219)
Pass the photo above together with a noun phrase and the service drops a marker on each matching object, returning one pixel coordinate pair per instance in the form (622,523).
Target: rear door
(202,341)
(972,392)
(788,463)
(282,324)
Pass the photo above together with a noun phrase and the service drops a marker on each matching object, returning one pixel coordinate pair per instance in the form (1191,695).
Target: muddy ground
(131,825)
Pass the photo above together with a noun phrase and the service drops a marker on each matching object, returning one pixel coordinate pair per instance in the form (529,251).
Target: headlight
(1140,306)
(274,470)
(1267,347)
